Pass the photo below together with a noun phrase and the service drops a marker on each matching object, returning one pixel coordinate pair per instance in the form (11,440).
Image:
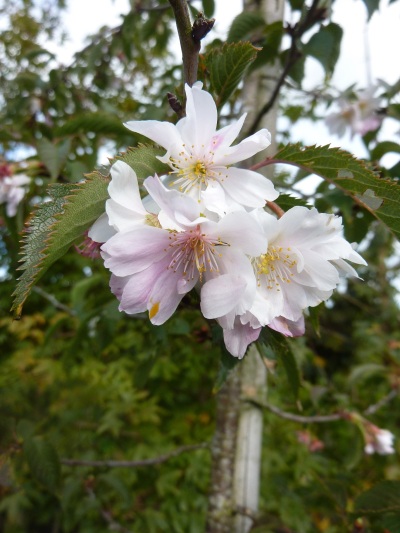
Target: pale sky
(383,37)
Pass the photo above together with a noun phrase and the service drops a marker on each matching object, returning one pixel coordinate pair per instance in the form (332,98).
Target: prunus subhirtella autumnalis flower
(201,157)
(124,208)
(300,268)
(204,227)
(302,264)
(12,189)
(378,441)
(360,115)
(155,264)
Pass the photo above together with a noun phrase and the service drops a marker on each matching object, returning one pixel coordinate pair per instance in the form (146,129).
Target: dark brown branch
(135,464)
(314,14)
(190,48)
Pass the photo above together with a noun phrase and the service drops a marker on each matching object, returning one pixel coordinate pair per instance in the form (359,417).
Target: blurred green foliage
(79,380)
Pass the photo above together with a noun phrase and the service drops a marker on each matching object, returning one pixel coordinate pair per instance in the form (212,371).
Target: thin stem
(134,464)
(53,300)
(343,415)
(190,48)
(276,209)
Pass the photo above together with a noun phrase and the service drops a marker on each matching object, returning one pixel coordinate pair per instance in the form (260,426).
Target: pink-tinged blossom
(201,157)
(378,440)
(360,116)
(300,268)
(12,191)
(153,267)
(124,208)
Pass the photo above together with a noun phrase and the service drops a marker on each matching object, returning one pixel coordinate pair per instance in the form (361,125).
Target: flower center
(275,267)
(194,253)
(194,171)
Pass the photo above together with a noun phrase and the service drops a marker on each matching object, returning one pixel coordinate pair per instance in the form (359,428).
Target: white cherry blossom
(379,441)
(125,208)
(154,266)
(300,268)
(201,157)
(12,191)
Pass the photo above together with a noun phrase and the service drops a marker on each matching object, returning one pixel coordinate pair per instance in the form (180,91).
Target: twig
(382,402)
(190,48)
(343,415)
(276,209)
(297,418)
(53,300)
(134,464)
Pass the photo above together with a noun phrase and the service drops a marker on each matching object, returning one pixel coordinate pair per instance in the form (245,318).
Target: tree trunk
(221,504)
(236,450)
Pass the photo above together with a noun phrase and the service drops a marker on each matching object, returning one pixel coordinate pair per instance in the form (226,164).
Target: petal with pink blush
(133,251)
(238,339)
(245,149)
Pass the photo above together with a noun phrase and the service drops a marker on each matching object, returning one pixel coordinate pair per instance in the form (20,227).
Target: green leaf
(391,522)
(55,227)
(382,498)
(286,201)
(53,156)
(43,462)
(244,25)
(227,65)
(383,148)
(144,162)
(381,197)
(34,243)
(71,211)
(281,349)
(325,46)
(372,6)
(208,8)
(98,122)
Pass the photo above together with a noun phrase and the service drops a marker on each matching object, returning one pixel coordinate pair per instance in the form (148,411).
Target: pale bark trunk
(221,503)
(249,442)
(236,450)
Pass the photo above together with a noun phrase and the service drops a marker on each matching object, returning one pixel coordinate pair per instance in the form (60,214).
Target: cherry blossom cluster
(359,116)
(204,227)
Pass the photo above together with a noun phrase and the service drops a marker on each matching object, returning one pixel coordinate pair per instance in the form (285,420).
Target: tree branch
(135,464)
(342,415)
(314,14)
(53,300)
(190,48)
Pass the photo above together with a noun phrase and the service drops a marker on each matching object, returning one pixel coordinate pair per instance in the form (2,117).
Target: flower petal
(248,188)
(238,339)
(225,136)
(198,127)
(130,252)
(245,149)
(101,230)
(163,133)
(220,295)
